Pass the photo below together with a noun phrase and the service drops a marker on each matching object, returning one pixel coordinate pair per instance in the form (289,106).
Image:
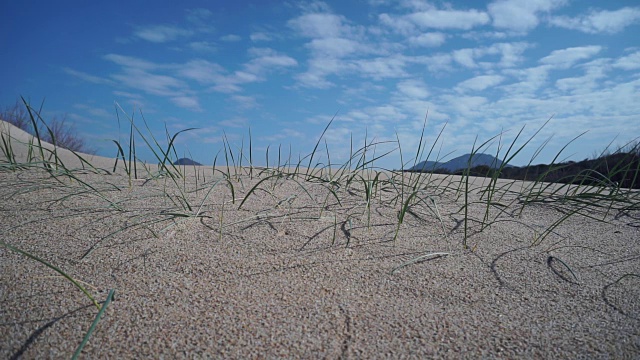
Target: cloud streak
(600,22)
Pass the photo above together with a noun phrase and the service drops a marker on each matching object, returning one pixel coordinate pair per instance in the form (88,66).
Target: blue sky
(284,68)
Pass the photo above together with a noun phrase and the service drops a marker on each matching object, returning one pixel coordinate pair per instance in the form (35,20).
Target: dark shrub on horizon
(64,135)
(186,161)
(621,169)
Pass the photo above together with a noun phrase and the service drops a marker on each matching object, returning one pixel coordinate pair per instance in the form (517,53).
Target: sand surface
(295,274)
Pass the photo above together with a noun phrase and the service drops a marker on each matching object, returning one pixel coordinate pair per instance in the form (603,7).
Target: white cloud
(399,24)
(260,36)
(245,77)
(383,67)
(432,39)
(162,33)
(589,82)
(131,62)
(355,115)
(314,79)
(333,47)
(603,21)
(198,16)
(319,25)
(566,58)
(466,107)
(127,95)
(449,19)
(265,59)
(161,85)
(284,134)
(384,113)
(413,88)
(314,6)
(510,55)
(480,83)
(208,73)
(87,77)
(236,122)
(227,87)
(531,80)
(271,61)
(520,15)
(465,57)
(202,71)
(137,74)
(629,62)
(94,111)
(439,62)
(203,46)
(134,99)
(231,38)
(187,102)
(246,102)
(319,68)
(363,91)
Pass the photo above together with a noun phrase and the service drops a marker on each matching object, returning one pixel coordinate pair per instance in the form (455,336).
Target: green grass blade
(53,267)
(93,325)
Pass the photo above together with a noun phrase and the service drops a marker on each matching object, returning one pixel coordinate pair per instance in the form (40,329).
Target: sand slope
(295,274)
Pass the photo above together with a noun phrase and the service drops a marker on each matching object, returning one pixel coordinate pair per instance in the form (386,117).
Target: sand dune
(294,273)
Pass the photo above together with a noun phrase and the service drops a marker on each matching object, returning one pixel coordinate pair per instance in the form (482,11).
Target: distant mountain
(461,162)
(186,161)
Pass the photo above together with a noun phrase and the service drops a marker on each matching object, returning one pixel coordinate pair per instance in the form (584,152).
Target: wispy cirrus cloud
(320,25)
(335,47)
(213,75)
(521,15)
(201,71)
(284,134)
(449,19)
(94,111)
(245,102)
(187,102)
(260,36)
(433,39)
(162,33)
(203,46)
(132,62)
(231,38)
(87,77)
(629,62)
(383,67)
(413,89)
(599,21)
(181,83)
(433,18)
(197,22)
(154,84)
(480,83)
(510,55)
(266,59)
(198,16)
(565,58)
(153,79)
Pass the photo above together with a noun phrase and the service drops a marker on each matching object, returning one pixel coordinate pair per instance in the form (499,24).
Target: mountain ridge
(458,163)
